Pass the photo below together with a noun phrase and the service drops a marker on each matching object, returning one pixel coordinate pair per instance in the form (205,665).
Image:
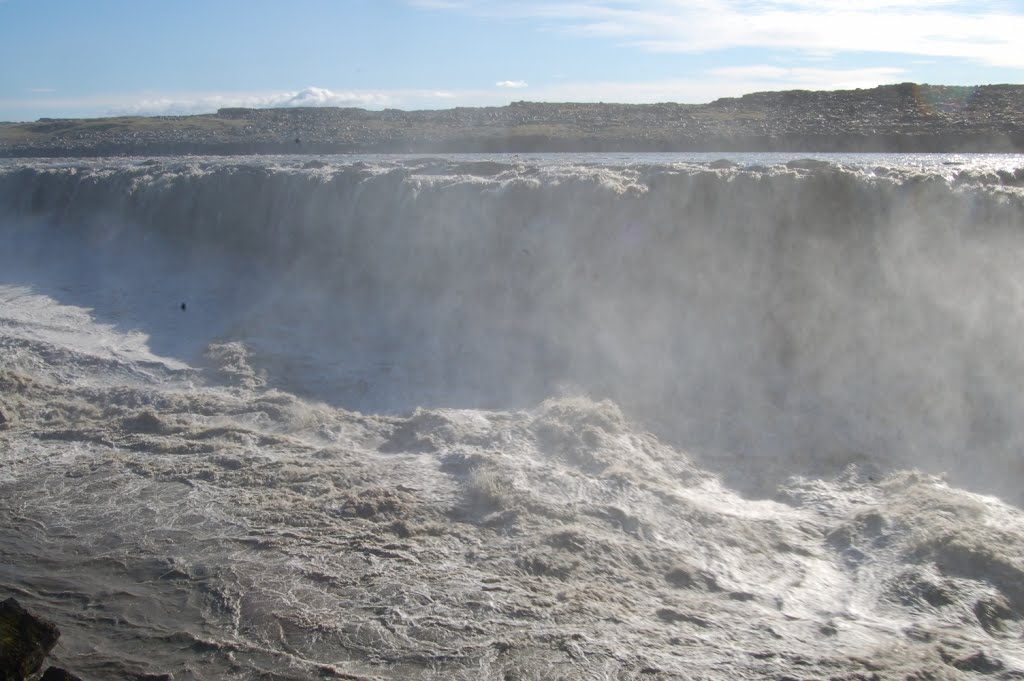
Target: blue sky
(109,57)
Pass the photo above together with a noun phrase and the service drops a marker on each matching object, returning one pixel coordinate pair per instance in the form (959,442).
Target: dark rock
(25,641)
(978,662)
(58,674)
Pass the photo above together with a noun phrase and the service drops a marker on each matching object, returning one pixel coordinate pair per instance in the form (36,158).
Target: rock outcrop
(25,641)
(897,118)
(58,674)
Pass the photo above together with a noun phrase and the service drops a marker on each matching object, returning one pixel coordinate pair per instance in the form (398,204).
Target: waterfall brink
(799,312)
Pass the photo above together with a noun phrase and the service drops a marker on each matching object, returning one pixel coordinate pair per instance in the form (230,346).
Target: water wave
(444,419)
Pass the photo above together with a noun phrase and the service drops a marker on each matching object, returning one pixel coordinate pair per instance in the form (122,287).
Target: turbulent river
(516,418)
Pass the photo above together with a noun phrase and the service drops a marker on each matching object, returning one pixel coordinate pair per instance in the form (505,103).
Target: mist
(774,320)
(467,418)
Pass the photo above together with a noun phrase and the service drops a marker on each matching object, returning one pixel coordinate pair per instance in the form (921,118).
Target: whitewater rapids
(502,419)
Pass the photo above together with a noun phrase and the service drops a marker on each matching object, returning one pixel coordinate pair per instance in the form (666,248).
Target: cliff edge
(891,118)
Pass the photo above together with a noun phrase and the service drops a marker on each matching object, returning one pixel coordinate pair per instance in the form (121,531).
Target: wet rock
(58,674)
(25,641)
(978,662)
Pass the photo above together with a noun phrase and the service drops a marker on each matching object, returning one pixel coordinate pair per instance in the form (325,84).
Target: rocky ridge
(895,118)
(25,642)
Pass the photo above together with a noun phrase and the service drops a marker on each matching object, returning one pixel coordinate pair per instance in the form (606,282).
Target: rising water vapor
(446,417)
(788,314)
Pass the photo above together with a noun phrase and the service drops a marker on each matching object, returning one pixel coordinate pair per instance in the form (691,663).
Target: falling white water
(515,418)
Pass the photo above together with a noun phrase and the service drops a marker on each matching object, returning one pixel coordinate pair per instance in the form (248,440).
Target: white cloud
(178,103)
(987,33)
(318,96)
(721,82)
(515,84)
(202,103)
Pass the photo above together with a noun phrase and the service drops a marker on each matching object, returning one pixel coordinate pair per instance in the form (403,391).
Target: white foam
(192,473)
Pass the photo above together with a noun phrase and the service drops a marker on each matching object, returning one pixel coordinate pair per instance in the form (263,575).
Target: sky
(73,58)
